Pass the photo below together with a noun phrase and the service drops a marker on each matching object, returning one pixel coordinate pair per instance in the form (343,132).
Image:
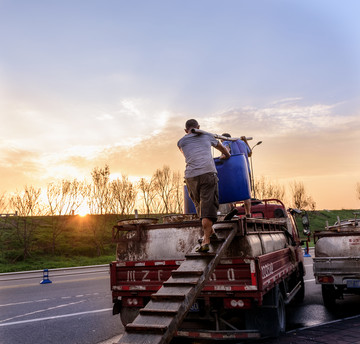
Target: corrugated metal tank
(340,240)
(338,246)
(173,243)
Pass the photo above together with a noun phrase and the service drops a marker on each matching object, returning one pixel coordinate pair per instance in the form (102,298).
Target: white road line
(22,303)
(42,310)
(55,317)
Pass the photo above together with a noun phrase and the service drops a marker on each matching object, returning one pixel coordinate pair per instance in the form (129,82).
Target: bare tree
(267,189)
(165,184)
(124,194)
(27,203)
(300,198)
(3,203)
(64,198)
(99,199)
(148,194)
(177,197)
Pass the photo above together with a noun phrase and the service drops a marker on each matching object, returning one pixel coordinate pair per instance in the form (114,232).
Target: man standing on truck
(240,147)
(201,176)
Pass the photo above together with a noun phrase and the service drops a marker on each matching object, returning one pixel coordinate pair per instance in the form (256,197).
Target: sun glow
(82,211)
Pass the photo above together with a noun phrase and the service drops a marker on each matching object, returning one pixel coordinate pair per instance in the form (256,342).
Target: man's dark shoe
(230,215)
(213,236)
(203,248)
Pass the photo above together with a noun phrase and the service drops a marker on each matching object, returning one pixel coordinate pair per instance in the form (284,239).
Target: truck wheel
(278,317)
(329,295)
(128,314)
(269,321)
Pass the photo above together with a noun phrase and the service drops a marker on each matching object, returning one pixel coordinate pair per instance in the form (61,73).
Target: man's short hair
(191,123)
(226,134)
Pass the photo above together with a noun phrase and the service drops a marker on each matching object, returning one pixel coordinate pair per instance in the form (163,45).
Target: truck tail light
(237,303)
(132,302)
(325,279)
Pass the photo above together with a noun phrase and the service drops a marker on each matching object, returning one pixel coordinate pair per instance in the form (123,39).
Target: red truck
(244,297)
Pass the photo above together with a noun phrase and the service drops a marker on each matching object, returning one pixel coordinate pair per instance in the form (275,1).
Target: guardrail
(11,276)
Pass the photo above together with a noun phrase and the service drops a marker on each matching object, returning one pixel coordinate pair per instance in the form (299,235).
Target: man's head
(226,135)
(190,124)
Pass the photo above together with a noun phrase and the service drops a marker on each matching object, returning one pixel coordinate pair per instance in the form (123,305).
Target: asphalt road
(72,309)
(312,311)
(78,309)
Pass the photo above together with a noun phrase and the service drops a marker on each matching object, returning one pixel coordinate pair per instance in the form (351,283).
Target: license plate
(194,307)
(353,283)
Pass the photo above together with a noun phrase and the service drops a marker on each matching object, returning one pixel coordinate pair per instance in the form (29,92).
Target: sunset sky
(85,83)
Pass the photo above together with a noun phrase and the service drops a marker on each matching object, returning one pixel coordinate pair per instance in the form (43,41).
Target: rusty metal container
(340,240)
(172,240)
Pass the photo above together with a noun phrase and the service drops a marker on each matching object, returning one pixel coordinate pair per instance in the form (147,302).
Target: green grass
(318,220)
(49,262)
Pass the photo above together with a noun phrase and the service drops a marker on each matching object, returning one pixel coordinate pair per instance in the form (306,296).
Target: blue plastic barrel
(189,206)
(234,181)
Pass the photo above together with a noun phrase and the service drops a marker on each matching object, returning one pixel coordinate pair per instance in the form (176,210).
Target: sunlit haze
(89,83)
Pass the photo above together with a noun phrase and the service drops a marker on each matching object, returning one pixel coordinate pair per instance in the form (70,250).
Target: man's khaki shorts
(204,192)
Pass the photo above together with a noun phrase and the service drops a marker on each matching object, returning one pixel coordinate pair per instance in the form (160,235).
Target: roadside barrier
(59,272)
(306,252)
(45,279)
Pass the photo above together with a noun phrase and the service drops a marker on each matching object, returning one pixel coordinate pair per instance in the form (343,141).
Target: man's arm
(225,153)
(249,149)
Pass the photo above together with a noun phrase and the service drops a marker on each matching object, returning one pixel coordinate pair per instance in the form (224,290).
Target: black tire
(128,314)
(279,316)
(270,321)
(329,295)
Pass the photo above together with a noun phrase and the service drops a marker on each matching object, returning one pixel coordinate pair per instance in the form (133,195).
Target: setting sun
(83,210)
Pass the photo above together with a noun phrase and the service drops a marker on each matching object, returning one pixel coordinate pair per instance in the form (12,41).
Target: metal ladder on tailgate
(160,318)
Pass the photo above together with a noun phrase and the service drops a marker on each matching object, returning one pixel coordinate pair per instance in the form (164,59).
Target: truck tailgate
(145,277)
(342,266)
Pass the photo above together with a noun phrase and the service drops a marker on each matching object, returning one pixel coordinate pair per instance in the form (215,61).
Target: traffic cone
(45,279)
(306,252)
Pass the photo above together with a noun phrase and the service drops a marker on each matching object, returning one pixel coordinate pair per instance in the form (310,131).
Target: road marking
(42,310)
(24,302)
(55,317)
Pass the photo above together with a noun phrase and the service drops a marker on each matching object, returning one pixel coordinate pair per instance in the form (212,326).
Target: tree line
(160,194)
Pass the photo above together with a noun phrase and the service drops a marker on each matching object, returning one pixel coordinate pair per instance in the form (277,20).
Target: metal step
(200,255)
(148,328)
(154,311)
(169,297)
(184,281)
